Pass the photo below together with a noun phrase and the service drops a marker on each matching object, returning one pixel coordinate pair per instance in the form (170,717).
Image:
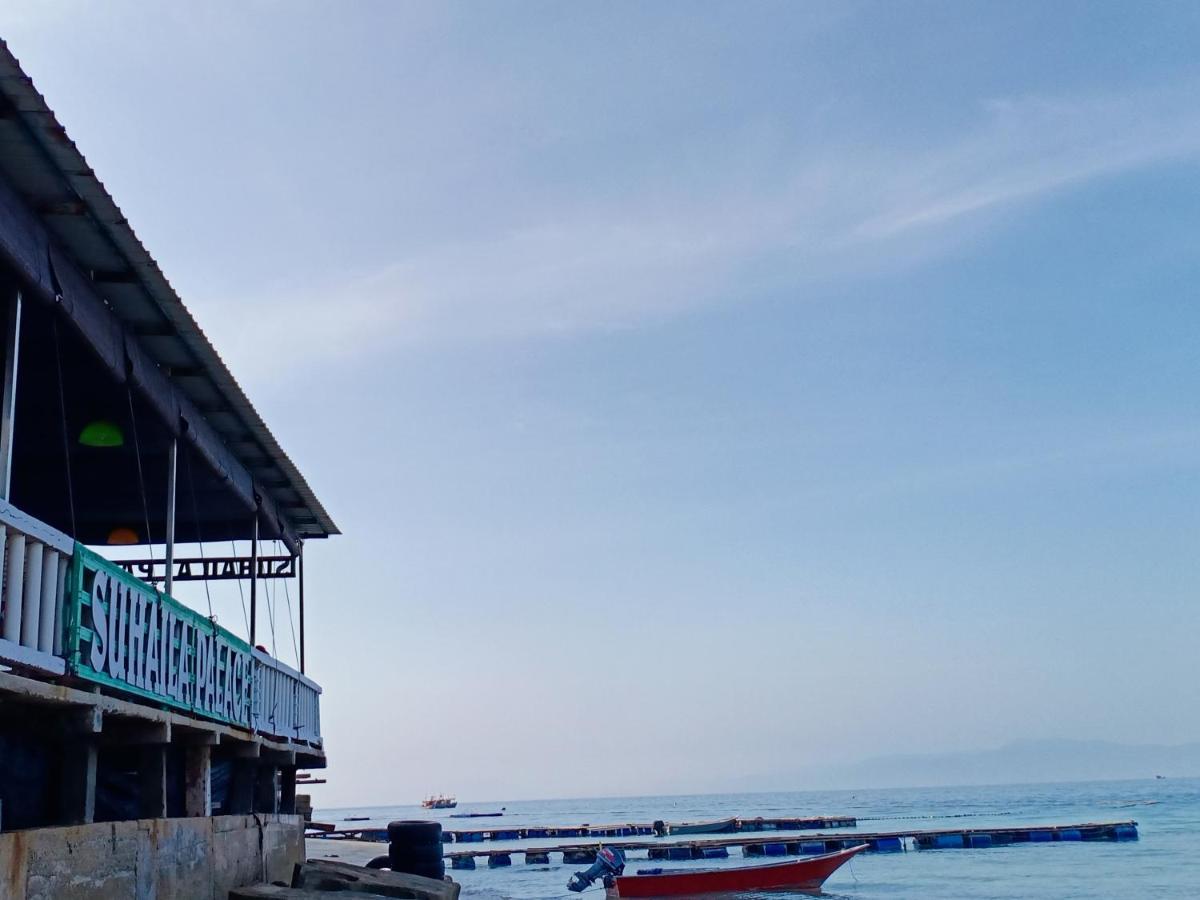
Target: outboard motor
(610,862)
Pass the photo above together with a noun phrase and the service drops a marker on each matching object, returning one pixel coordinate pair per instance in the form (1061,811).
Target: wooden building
(120,424)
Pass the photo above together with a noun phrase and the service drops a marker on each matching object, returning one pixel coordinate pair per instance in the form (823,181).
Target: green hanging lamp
(102,433)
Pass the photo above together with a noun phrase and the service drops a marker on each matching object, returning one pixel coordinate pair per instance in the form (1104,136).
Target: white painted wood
(48,621)
(8,396)
(26,524)
(14,654)
(60,600)
(31,598)
(14,586)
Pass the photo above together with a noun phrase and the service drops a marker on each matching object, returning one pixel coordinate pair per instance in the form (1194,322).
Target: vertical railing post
(172,460)
(8,403)
(254,584)
(300,572)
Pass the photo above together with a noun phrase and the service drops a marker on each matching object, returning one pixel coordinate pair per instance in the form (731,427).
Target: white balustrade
(285,704)
(35,562)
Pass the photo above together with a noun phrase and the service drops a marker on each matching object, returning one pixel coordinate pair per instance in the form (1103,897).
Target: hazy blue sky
(705,390)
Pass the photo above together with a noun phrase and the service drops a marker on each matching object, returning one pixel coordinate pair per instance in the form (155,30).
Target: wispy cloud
(582,267)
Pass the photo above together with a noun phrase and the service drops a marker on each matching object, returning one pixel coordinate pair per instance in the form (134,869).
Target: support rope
(62,418)
(196,521)
(291,622)
(137,448)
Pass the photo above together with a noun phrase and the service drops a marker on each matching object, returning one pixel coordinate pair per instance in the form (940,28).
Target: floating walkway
(619,830)
(810,845)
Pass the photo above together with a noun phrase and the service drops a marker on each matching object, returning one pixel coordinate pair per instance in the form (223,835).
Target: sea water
(1163,863)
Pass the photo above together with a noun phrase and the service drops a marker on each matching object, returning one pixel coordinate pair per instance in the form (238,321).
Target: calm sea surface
(1164,863)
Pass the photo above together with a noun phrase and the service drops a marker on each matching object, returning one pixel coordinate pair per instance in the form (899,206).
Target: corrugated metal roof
(50,173)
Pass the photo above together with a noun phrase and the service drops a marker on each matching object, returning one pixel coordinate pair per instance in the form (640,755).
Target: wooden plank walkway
(500,832)
(717,846)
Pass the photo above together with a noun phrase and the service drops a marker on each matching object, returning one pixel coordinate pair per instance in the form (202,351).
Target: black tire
(422,847)
(402,858)
(414,832)
(425,870)
(380,862)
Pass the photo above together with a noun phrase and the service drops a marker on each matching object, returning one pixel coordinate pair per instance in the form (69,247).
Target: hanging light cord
(137,448)
(62,418)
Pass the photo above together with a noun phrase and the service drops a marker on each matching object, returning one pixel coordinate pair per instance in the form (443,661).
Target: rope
(196,517)
(291,623)
(270,612)
(62,418)
(137,447)
(241,593)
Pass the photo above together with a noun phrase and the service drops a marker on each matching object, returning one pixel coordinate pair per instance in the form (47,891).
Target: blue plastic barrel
(812,848)
(775,848)
(887,845)
(1040,837)
(679,853)
(1125,833)
(462,862)
(1070,834)
(496,860)
(714,853)
(980,840)
(948,842)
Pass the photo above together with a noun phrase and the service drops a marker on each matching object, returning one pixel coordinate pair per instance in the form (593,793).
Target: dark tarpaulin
(50,276)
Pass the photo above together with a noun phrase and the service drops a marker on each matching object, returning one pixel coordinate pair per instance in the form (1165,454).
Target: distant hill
(1015,763)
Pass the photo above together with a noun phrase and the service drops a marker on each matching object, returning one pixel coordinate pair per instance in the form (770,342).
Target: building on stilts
(145,749)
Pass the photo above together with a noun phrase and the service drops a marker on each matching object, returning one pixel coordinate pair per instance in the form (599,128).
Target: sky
(706,391)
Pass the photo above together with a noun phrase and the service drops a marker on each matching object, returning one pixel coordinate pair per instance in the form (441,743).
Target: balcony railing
(35,561)
(286,703)
(65,610)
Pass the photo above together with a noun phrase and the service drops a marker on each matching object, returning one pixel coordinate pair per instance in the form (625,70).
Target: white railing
(285,704)
(36,563)
(35,560)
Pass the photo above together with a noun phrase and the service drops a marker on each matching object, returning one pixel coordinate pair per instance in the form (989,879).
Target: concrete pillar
(77,799)
(266,790)
(152,778)
(197,781)
(287,790)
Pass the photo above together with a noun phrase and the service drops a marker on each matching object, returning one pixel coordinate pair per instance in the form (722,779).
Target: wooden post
(78,787)
(172,465)
(198,781)
(300,572)
(241,787)
(287,790)
(8,401)
(266,789)
(254,583)
(152,777)
(80,729)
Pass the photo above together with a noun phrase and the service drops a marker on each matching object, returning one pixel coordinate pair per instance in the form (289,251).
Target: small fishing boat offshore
(806,874)
(441,801)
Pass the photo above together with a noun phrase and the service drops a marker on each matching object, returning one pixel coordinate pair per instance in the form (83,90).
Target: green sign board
(122,633)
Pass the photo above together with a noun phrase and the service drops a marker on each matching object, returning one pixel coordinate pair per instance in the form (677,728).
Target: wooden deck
(501,832)
(718,846)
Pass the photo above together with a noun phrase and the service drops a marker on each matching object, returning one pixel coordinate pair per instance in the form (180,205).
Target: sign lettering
(127,635)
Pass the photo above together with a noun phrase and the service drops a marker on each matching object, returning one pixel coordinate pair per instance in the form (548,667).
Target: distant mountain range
(1015,763)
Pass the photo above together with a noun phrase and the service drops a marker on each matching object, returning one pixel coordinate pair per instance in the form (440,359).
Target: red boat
(799,875)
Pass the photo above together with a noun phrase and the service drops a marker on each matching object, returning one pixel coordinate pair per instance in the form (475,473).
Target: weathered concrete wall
(150,859)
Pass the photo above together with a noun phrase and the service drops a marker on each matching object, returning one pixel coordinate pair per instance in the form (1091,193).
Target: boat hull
(800,875)
(722,826)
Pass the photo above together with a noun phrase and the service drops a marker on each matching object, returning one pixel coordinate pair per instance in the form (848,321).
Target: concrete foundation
(150,859)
